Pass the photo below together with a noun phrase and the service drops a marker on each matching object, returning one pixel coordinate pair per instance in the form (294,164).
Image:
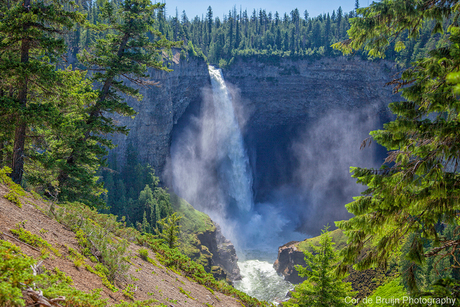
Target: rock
(271,94)
(160,109)
(288,257)
(223,254)
(227,257)
(295,91)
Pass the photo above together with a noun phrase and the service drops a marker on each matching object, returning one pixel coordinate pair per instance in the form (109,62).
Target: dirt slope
(151,281)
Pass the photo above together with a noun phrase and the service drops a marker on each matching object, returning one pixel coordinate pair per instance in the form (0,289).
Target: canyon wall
(270,94)
(160,109)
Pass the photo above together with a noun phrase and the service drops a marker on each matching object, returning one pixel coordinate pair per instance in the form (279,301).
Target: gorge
(301,122)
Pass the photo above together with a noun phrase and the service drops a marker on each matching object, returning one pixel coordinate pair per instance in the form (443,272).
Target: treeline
(243,33)
(265,34)
(55,120)
(295,35)
(133,192)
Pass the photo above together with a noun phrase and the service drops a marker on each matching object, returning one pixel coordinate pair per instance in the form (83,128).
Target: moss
(338,237)
(390,291)
(193,223)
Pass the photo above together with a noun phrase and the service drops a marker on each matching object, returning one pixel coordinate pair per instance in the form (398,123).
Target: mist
(297,175)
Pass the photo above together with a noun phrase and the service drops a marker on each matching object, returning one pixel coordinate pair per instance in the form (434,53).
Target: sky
(221,7)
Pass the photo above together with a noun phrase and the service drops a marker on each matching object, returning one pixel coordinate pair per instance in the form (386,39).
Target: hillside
(291,254)
(60,249)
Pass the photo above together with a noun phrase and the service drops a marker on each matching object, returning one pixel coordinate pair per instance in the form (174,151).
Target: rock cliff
(291,254)
(271,93)
(201,239)
(160,109)
(223,254)
(285,91)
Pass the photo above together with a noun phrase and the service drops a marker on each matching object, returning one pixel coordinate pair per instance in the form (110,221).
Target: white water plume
(209,167)
(209,163)
(234,169)
(261,281)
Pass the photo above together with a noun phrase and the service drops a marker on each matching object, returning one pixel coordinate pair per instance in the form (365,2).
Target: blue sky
(221,7)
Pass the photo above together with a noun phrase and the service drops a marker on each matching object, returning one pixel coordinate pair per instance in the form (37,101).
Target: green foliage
(173,258)
(416,189)
(337,236)
(15,190)
(129,291)
(77,258)
(123,54)
(322,288)
(31,44)
(34,240)
(133,192)
(170,229)
(144,253)
(97,239)
(13,197)
(187,293)
(16,274)
(391,291)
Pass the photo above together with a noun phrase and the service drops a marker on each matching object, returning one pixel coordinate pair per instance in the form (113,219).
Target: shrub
(143,253)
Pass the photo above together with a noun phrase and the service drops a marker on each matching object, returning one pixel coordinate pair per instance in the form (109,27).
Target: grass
(193,224)
(389,292)
(338,237)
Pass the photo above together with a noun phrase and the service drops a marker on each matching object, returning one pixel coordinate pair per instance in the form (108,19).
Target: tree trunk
(20,131)
(71,160)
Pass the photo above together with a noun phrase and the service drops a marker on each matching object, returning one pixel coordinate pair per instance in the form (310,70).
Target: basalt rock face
(288,257)
(160,109)
(270,94)
(223,254)
(287,91)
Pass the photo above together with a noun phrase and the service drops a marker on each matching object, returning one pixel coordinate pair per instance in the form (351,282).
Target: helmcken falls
(211,169)
(234,171)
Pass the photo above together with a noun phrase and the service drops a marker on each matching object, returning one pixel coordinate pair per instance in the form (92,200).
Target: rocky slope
(143,280)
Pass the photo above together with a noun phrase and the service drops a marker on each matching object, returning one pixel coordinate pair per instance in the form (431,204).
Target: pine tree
(31,43)
(170,229)
(417,187)
(124,53)
(322,288)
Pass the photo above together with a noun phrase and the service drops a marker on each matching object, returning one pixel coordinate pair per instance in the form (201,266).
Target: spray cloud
(209,167)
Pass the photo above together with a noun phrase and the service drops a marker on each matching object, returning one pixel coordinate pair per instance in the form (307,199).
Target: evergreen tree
(209,22)
(417,187)
(322,288)
(170,229)
(125,52)
(31,43)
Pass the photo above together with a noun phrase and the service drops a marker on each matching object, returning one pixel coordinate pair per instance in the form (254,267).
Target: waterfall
(234,169)
(210,169)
